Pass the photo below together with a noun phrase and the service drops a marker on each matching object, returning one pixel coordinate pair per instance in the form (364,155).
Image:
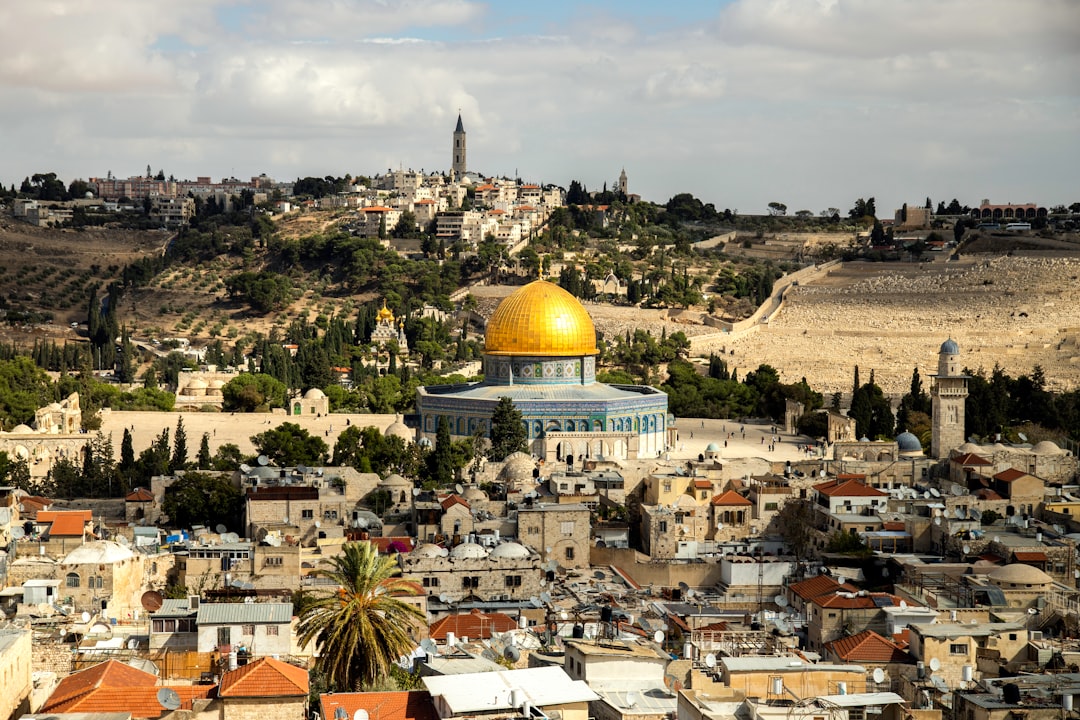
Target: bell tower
(947,396)
(458,167)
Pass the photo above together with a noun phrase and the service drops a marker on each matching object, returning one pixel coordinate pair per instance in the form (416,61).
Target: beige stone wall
(657,574)
(51,656)
(515,579)
(546,527)
(263,709)
(15,669)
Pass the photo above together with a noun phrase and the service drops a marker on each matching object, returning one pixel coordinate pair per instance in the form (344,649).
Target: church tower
(622,183)
(947,397)
(459,167)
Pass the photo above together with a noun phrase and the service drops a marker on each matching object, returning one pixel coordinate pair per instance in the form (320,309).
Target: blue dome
(864,439)
(712,447)
(949,347)
(907,442)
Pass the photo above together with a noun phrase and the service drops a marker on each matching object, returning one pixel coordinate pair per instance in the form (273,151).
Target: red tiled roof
(902,639)
(451,500)
(473,624)
(970,459)
(65,523)
(703,484)
(1022,556)
(139,495)
(266,677)
(378,208)
(719,626)
(401,705)
(497,212)
(852,603)
(424,202)
(31,505)
(850,476)
(1010,475)
(893,525)
(848,488)
(987,494)
(530,187)
(730,498)
(113,686)
(817,586)
(867,646)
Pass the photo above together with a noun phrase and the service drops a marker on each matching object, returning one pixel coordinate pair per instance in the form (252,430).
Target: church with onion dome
(540,351)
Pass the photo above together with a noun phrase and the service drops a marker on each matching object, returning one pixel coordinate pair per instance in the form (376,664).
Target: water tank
(841,688)
(1011,693)
(778,686)
(1067,703)
(688,651)
(450,639)
(967,673)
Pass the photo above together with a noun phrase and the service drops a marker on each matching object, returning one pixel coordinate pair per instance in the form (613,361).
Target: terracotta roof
(530,187)
(424,202)
(817,586)
(870,600)
(266,677)
(730,498)
(703,484)
(894,526)
(113,686)
(64,523)
(1022,556)
(719,626)
(525,208)
(1010,475)
(382,544)
(378,208)
(970,459)
(473,624)
(848,488)
(139,495)
(401,705)
(867,646)
(451,500)
(497,212)
(31,505)
(987,494)
(850,476)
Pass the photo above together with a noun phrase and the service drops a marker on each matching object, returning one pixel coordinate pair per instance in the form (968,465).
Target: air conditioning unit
(1036,635)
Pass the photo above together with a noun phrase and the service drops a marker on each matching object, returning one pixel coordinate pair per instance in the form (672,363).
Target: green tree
(795,523)
(228,457)
(360,627)
(204,460)
(180,452)
(199,498)
(289,445)
(249,392)
(508,434)
(441,461)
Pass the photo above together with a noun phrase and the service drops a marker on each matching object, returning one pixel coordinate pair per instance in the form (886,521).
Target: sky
(811,103)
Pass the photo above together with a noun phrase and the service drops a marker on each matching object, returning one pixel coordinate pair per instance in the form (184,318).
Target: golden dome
(385,314)
(540,319)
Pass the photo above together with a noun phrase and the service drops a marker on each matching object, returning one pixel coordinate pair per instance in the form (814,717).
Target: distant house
(401,705)
(266,689)
(260,629)
(116,687)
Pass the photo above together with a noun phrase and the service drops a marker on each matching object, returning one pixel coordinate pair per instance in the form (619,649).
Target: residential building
(471,572)
(266,689)
(392,705)
(510,694)
(563,528)
(116,687)
(15,671)
(262,629)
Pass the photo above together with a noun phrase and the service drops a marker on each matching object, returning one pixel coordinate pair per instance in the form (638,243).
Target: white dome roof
(468,551)
(21,429)
(398,429)
(510,550)
(217,384)
(517,467)
(98,552)
(474,494)
(1046,447)
(197,383)
(968,447)
(428,550)
(1019,574)
(314,394)
(395,480)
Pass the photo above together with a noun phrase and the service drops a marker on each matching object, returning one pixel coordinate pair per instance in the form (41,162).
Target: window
(329,514)
(470,583)
(958,649)
(72,580)
(704,494)
(567,527)
(569,553)
(1012,636)
(247,629)
(159,626)
(513,581)
(667,486)
(307,514)
(431,582)
(771,506)
(224,636)
(272,630)
(534,530)
(275,561)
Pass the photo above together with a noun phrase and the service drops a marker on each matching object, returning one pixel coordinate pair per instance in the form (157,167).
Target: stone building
(562,531)
(229,568)
(104,576)
(262,628)
(196,389)
(677,530)
(313,402)
(267,689)
(471,572)
(15,671)
(57,433)
(459,165)
(947,396)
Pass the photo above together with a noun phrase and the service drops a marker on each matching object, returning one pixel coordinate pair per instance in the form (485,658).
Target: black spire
(460,128)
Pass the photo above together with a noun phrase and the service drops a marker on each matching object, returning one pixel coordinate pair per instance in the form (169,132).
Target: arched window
(73,580)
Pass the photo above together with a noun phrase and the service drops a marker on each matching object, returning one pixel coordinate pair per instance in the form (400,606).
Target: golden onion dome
(385,314)
(540,319)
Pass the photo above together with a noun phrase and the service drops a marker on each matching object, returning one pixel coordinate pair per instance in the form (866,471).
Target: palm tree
(361,627)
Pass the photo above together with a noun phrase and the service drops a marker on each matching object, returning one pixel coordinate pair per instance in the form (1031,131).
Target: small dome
(1045,447)
(510,550)
(968,448)
(398,429)
(98,552)
(908,443)
(712,447)
(395,480)
(517,467)
(21,429)
(468,551)
(949,347)
(864,439)
(1019,574)
(314,394)
(216,384)
(427,550)
(474,494)
(198,384)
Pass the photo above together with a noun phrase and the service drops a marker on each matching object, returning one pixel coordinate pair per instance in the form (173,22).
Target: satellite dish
(458,489)
(416,492)
(631,699)
(690,593)
(997,539)
(551,565)
(444,598)
(230,537)
(428,645)
(18,533)
(599,575)
(840,579)
(547,549)
(684,587)
(966,549)
(151,601)
(219,528)
(535,602)
(935,664)
(285,520)
(360,714)
(1076,573)
(937,519)
(263,460)
(821,473)
(545,597)
(975,514)
(119,538)
(85,617)
(719,526)
(935,493)
(903,604)
(1032,611)
(318,524)
(879,675)
(302,469)
(710,661)
(245,468)
(926,495)
(658,636)
(512,654)
(937,512)
(168,699)
(781,601)
(340,714)
(1022,436)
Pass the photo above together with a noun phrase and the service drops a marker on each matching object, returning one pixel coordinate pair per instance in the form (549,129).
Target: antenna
(263,460)
(168,699)
(879,675)
(631,699)
(710,660)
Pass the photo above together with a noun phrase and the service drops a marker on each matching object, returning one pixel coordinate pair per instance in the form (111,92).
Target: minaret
(458,167)
(622,182)
(947,395)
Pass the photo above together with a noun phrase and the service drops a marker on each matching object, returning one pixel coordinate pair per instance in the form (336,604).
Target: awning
(1033,556)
